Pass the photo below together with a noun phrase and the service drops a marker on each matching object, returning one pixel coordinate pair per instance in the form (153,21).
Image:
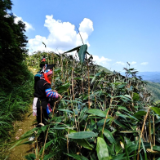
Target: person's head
(43,62)
(50,77)
(48,74)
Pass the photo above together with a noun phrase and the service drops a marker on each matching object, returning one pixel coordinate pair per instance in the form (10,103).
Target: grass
(13,106)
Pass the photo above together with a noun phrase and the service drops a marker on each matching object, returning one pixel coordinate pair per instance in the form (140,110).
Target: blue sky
(117,31)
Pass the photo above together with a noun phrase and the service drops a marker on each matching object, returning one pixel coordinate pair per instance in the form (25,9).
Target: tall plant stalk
(142,132)
(88,86)
(45,143)
(111,100)
(154,139)
(53,80)
(73,81)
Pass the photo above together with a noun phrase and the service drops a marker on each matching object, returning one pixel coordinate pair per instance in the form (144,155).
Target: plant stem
(73,82)
(68,144)
(111,100)
(142,132)
(45,143)
(53,72)
(88,86)
(153,134)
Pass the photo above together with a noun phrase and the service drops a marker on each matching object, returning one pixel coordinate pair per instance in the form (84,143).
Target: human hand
(59,96)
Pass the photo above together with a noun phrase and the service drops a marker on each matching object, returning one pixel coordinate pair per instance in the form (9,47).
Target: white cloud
(121,63)
(132,63)
(144,63)
(101,60)
(86,26)
(62,35)
(27,25)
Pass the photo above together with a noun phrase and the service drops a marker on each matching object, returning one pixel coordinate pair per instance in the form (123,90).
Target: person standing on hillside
(45,96)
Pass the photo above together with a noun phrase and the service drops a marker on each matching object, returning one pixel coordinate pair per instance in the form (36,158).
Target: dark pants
(42,115)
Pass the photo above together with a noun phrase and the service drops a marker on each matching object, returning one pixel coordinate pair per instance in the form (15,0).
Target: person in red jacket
(45,96)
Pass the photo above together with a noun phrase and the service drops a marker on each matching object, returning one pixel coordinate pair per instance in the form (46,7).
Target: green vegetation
(16,82)
(155,89)
(101,116)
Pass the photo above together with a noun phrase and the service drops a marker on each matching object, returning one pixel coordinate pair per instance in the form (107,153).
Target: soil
(19,152)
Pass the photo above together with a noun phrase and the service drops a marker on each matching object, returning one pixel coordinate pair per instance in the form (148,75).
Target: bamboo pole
(142,132)
(48,57)
(61,68)
(150,136)
(95,101)
(88,86)
(153,134)
(111,100)
(73,81)
(53,80)
(45,143)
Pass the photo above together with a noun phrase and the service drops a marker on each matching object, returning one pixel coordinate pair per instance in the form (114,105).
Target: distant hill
(103,68)
(155,89)
(150,76)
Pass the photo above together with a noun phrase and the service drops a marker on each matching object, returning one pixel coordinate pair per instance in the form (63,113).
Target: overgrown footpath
(14,104)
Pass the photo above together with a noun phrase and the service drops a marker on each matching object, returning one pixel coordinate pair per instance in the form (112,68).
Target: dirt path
(19,152)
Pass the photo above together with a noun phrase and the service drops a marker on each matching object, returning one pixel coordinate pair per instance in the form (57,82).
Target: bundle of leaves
(103,115)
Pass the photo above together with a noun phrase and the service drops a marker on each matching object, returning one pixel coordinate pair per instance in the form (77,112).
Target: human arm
(51,94)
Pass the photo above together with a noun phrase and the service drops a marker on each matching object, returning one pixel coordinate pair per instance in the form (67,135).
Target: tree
(12,46)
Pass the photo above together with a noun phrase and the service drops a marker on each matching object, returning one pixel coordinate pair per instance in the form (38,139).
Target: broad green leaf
(82,52)
(156,148)
(102,149)
(139,114)
(121,115)
(65,110)
(97,74)
(59,127)
(82,135)
(119,157)
(74,49)
(97,112)
(101,122)
(63,88)
(118,148)
(77,157)
(48,156)
(156,110)
(84,143)
(109,136)
(119,124)
(46,146)
(136,96)
(123,108)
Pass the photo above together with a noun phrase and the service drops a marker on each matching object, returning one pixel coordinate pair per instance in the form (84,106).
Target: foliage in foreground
(13,106)
(101,116)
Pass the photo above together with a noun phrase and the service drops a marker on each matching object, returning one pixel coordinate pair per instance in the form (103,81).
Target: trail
(19,152)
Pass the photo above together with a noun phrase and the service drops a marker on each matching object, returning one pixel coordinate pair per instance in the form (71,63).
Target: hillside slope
(155,89)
